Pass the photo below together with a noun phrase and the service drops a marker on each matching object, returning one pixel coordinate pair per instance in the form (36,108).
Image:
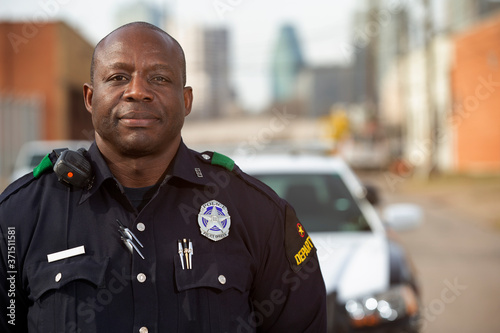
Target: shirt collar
(184,166)
(100,171)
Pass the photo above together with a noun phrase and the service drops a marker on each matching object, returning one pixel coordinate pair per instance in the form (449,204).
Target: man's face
(138,100)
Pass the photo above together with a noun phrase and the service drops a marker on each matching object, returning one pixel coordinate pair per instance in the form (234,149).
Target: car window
(35,160)
(322,202)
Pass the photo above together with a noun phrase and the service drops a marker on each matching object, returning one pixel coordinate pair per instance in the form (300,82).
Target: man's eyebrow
(165,67)
(119,65)
(153,67)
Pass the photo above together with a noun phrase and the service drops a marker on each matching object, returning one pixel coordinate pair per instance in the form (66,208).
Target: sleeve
(13,316)
(289,293)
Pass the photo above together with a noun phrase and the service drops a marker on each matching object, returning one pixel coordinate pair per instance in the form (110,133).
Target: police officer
(150,236)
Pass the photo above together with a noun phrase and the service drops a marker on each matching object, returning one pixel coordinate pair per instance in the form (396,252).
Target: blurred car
(32,153)
(370,282)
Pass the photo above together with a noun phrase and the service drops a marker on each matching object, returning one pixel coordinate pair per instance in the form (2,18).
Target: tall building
(141,11)
(217,91)
(207,61)
(464,13)
(287,61)
(321,88)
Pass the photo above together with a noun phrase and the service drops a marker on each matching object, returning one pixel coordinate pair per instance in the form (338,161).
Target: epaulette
(216,158)
(222,160)
(45,165)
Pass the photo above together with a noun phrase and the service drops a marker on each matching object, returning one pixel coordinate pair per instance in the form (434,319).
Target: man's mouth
(138,119)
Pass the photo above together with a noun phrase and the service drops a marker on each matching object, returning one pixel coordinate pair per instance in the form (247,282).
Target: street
(457,255)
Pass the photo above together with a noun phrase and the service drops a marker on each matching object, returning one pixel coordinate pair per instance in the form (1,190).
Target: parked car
(370,282)
(32,152)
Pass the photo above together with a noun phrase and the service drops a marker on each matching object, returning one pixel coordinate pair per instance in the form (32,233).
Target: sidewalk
(476,197)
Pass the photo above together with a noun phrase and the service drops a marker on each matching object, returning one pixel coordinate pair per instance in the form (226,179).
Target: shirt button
(141,277)
(143,329)
(222,279)
(141,226)
(58,277)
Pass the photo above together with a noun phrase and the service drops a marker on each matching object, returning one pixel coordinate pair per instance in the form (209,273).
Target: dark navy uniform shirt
(263,276)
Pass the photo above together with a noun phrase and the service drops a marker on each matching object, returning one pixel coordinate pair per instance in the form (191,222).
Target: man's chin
(137,149)
(145,147)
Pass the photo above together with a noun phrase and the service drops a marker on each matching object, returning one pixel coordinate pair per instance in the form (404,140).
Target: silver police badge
(214,220)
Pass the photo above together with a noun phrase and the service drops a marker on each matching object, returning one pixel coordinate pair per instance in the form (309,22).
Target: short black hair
(149,26)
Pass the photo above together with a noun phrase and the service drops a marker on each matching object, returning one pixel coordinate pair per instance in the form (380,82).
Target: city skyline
(322,30)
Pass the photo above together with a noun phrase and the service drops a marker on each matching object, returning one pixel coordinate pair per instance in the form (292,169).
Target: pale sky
(322,27)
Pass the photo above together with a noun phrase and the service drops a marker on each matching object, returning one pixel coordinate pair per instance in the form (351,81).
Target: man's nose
(138,90)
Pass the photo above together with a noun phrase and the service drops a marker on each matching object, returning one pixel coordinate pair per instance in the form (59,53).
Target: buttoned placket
(144,275)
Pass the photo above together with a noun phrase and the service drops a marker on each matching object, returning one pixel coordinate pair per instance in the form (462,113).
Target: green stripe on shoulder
(222,160)
(44,165)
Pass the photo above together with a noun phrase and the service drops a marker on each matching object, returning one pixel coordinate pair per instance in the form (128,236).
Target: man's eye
(160,79)
(118,78)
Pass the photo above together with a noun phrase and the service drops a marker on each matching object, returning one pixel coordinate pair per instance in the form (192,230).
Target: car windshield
(322,201)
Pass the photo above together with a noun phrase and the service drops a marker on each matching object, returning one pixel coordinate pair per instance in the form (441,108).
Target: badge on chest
(214,220)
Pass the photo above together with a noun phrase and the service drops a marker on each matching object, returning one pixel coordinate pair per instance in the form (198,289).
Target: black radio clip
(72,167)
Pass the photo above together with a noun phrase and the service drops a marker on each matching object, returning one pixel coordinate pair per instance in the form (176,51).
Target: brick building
(476,97)
(50,61)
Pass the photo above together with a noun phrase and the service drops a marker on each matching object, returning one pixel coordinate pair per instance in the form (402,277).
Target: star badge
(214,220)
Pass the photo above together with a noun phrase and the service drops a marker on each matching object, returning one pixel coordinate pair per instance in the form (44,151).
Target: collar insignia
(214,220)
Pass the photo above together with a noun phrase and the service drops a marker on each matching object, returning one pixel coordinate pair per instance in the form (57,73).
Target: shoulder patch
(222,160)
(44,165)
(299,247)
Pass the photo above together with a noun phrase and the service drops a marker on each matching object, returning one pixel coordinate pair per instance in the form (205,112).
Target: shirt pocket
(213,293)
(56,287)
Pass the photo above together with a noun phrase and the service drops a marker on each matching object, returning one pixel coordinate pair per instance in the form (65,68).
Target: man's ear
(88,92)
(188,100)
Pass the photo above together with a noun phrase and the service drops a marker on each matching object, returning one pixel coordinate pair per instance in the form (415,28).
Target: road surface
(457,256)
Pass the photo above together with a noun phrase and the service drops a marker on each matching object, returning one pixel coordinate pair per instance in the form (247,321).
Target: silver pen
(131,245)
(190,254)
(128,238)
(180,251)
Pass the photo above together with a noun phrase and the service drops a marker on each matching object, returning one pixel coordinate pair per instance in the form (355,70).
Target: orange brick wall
(47,59)
(476,98)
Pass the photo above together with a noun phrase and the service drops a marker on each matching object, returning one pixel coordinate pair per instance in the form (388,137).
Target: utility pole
(430,144)
(371,62)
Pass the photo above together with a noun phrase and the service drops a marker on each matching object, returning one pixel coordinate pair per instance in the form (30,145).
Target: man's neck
(139,171)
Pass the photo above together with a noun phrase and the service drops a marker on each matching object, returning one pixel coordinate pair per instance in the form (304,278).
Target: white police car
(370,283)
